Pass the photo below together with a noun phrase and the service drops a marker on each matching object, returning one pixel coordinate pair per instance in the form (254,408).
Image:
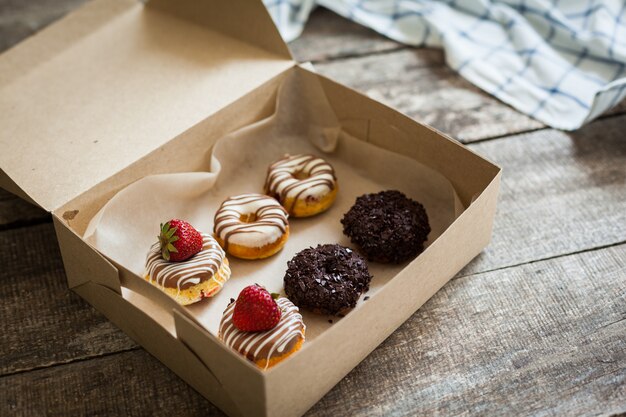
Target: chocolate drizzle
(250,214)
(283,181)
(387,226)
(182,275)
(266,345)
(326,279)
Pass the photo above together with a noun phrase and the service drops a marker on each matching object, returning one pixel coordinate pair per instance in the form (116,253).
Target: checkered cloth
(562,62)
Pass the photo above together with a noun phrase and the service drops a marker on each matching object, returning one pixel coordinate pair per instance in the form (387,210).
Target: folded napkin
(562,62)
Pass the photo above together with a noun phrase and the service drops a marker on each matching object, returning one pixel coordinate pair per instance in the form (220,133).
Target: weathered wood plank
(15,211)
(546,338)
(126,384)
(425,89)
(43,322)
(330,36)
(437,95)
(561,193)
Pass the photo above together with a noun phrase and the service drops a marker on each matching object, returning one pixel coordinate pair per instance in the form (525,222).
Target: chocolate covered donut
(387,226)
(328,279)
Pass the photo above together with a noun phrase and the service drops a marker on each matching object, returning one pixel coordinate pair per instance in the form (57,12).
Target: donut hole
(248,218)
(301,175)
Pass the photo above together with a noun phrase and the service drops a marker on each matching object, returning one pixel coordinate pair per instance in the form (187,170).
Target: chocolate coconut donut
(387,226)
(328,279)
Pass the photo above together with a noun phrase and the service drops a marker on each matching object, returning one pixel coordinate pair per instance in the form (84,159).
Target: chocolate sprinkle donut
(328,279)
(387,227)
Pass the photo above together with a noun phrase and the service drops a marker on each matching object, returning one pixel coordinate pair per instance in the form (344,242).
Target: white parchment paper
(303,122)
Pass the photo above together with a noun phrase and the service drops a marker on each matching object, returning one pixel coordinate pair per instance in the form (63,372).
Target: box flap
(246,20)
(116,80)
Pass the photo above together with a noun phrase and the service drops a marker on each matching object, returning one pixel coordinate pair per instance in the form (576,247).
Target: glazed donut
(189,281)
(387,226)
(328,279)
(251,226)
(304,184)
(266,348)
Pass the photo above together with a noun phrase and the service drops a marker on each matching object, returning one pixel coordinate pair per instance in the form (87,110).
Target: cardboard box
(107,95)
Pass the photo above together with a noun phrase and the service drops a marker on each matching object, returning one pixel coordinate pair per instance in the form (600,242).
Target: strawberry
(256,310)
(179,240)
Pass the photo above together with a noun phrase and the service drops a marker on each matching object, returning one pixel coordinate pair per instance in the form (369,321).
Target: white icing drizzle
(202,266)
(282,181)
(270,222)
(269,343)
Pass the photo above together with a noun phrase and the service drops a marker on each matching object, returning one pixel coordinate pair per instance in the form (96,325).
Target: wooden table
(535,325)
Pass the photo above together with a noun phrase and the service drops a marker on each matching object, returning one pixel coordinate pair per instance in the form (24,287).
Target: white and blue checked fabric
(563,62)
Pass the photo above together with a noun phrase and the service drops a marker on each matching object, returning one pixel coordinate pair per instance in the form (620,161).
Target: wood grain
(126,384)
(547,338)
(329,36)
(561,193)
(43,322)
(416,82)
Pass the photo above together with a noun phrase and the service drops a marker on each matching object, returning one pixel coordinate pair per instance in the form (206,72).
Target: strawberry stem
(166,240)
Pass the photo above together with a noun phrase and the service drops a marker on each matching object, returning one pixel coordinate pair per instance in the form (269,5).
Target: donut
(191,280)
(388,227)
(304,184)
(251,226)
(328,279)
(266,348)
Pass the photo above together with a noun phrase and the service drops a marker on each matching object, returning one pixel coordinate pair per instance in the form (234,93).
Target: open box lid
(116,80)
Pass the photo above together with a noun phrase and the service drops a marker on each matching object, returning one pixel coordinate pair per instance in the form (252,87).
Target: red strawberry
(179,240)
(256,310)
